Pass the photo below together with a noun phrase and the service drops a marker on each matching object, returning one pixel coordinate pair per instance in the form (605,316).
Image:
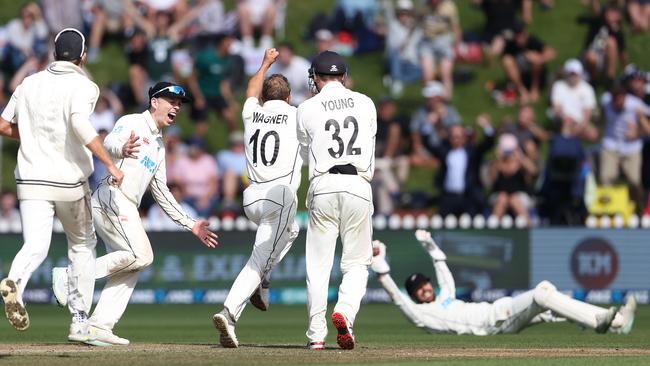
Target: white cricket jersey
(51,109)
(272,148)
(446,314)
(149,169)
(339,126)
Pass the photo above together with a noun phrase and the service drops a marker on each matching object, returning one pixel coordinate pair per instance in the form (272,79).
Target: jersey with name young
(272,149)
(339,126)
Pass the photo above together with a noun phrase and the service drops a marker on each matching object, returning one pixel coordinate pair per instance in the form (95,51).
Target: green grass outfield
(183,335)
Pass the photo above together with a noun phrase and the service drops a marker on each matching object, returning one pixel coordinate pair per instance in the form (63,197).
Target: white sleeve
(115,140)
(82,105)
(555,94)
(405,304)
(166,200)
(9,113)
(445,280)
(590,97)
(82,128)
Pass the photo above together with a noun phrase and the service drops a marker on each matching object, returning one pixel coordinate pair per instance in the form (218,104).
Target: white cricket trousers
(37,219)
(544,297)
(118,223)
(273,209)
(338,204)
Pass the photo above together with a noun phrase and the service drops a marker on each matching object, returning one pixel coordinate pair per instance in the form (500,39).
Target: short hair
(286,45)
(276,87)
(327,77)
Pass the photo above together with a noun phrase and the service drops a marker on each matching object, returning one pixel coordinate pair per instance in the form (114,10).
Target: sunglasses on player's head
(174,89)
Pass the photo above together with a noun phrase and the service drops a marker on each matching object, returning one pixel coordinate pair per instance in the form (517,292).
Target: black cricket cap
(414,281)
(329,63)
(69,45)
(169,90)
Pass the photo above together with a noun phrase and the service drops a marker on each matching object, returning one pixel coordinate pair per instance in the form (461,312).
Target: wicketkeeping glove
(424,237)
(379,264)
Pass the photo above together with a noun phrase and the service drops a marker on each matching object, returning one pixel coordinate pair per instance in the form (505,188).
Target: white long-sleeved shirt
(338,126)
(51,109)
(149,169)
(446,314)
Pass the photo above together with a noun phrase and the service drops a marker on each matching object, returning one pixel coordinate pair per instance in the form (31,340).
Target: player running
(339,126)
(445,314)
(136,145)
(51,110)
(273,159)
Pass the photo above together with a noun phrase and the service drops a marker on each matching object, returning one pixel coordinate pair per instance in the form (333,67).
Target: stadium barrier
(596,265)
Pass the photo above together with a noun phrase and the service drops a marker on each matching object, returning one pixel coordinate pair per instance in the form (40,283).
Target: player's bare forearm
(8,129)
(255,83)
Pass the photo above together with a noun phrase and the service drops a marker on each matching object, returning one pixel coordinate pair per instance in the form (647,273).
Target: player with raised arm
(273,160)
(443,313)
(136,145)
(338,126)
(51,109)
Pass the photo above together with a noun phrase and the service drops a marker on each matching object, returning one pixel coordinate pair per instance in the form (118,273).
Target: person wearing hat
(273,160)
(136,145)
(51,109)
(338,126)
(574,100)
(444,313)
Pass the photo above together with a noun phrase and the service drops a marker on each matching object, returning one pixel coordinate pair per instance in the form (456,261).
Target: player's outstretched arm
(444,277)
(427,242)
(254,88)
(201,231)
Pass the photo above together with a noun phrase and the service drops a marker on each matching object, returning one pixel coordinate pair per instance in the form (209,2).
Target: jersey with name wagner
(272,149)
(339,126)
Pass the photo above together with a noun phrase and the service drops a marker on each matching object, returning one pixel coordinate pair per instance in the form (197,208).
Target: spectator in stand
(177,8)
(460,163)
(636,82)
(257,14)
(32,65)
(8,209)
(528,133)
(108,17)
(431,122)
(524,61)
(639,13)
(574,101)
(294,68)
(197,175)
(561,198)
(389,156)
(500,21)
(210,85)
(605,44)
(358,19)
(512,174)
(100,171)
(402,40)
(324,41)
(158,219)
(107,110)
(442,32)
(625,118)
(25,36)
(232,165)
(206,18)
(60,14)
(175,150)
(136,52)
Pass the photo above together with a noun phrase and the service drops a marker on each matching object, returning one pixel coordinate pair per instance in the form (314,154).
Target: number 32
(351,150)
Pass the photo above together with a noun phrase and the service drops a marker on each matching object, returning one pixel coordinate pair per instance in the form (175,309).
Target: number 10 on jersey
(262,147)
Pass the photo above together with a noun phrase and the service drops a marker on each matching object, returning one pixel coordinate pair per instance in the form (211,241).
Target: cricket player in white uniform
(273,160)
(339,127)
(51,110)
(446,314)
(136,146)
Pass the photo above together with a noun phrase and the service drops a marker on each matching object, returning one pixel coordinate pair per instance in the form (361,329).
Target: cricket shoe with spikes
(104,338)
(225,324)
(345,336)
(14,310)
(627,314)
(604,320)
(316,346)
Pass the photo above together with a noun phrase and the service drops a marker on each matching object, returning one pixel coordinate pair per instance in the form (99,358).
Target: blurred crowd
(585,154)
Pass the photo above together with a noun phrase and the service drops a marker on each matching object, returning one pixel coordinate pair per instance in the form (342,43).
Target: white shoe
(14,310)
(104,338)
(60,285)
(78,332)
(604,320)
(260,298)
(627,312)
(316,346)
(226,327)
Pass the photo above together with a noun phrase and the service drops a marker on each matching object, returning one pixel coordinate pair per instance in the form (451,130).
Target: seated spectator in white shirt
(625,118)
(232,164)
(574,100)
(9,213)
(294,68)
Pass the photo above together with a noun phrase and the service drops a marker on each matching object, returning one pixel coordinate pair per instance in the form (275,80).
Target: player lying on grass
(446,314)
